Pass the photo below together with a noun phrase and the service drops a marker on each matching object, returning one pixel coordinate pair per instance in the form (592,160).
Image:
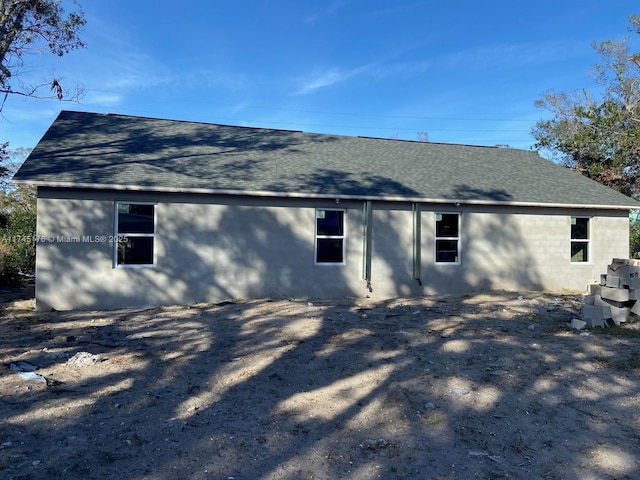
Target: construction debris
(84,359)
(613,300)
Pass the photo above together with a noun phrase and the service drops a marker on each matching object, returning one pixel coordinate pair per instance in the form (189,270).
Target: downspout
(367,243)
(417,237)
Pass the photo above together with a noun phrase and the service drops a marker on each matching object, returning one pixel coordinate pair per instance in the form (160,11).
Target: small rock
(477,453)
(429,406)
(377,444)
(460,391)
(532,326)
(6,444)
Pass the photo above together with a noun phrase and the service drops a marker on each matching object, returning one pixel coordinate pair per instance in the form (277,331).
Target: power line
(347,114)
(376,115)
(367,127)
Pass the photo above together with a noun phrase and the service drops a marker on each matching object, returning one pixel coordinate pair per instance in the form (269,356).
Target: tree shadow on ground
(444,388)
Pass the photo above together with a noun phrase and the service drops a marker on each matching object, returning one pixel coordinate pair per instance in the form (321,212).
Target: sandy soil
(490,386)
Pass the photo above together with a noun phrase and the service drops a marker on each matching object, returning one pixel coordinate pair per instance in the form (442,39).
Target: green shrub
(634,238)
(17,245)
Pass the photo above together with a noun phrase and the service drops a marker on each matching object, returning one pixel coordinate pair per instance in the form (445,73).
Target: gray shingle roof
(125,152)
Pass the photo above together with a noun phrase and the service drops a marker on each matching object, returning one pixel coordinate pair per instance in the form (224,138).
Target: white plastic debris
(32,376)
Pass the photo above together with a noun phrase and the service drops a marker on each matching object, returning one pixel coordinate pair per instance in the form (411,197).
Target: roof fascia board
(441,201)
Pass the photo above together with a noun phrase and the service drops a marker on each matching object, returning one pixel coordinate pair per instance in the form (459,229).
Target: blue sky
(464,72)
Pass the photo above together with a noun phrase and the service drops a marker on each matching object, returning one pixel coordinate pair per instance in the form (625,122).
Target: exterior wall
(500,249)
(523,249)
(211,248)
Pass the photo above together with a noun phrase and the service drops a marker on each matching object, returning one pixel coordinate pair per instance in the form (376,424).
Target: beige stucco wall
(213,248)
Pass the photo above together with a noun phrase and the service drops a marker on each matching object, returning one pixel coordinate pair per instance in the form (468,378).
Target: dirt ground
(489,386)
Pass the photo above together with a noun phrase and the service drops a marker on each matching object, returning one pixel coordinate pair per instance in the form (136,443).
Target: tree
(29,27)
(422,136)
(599,137)
(17,223)
(4,155)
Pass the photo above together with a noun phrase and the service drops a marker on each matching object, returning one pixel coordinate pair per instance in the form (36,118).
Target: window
(579,239)
(447,237)
(330,236)
(135,234)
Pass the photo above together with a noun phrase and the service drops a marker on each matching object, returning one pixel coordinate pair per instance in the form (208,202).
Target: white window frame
(580,240)
(342,237)
(436,238)
(118,237)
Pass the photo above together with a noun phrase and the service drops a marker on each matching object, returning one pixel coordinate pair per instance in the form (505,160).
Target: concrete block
(595,312)
(597,322)
(630,272)
(615,294)
(615,265)
(619,314)
(578,324)
(603,279)
(594,289)
(634,284)
(601,302)
(625,271)
(635,310)
(614,281)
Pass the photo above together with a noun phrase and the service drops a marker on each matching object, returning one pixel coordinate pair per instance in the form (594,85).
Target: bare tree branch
(34,27)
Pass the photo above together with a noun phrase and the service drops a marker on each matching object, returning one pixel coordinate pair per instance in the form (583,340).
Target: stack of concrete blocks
(613,300)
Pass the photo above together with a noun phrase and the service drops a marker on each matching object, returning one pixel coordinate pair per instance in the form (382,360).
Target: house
(142,212)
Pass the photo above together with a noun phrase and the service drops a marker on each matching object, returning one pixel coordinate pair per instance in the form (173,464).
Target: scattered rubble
(84,359)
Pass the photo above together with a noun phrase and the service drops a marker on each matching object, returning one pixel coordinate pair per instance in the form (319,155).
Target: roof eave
(258,193)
